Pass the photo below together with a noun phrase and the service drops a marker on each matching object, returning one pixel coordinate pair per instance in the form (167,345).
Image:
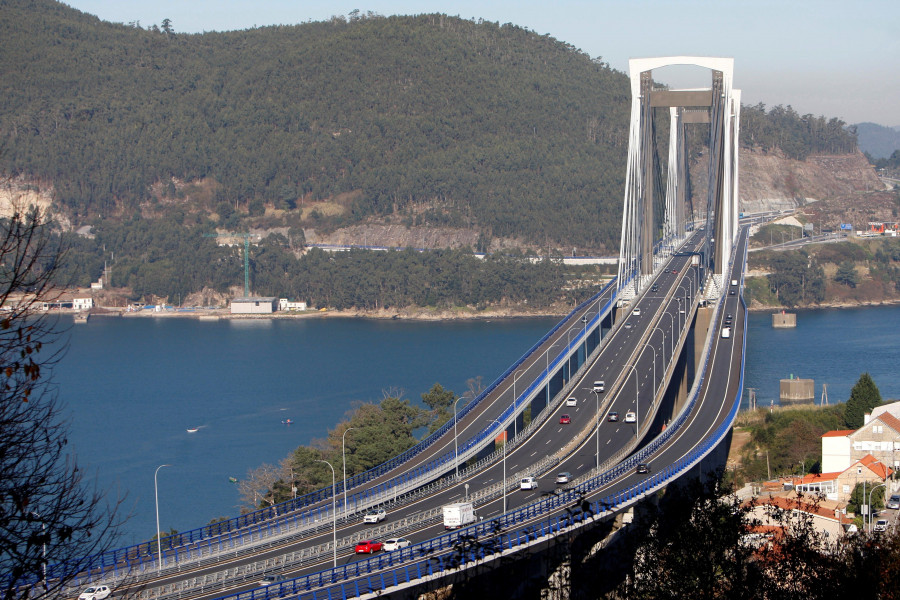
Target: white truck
(459,515)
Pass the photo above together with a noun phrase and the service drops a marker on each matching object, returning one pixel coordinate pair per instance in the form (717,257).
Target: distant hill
(878,141)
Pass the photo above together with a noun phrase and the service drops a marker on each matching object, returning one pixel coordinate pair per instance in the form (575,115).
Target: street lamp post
(547,368)
(597,395)
(516,418)
(504,464)
(637,401)
(455,436)
(870,504)
(674,335)
(654,369)
(344,462)
(158,538)
(333,513)
(43,548)
(584,321)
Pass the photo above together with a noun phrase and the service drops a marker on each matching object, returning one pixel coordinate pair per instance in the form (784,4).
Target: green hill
(434,118)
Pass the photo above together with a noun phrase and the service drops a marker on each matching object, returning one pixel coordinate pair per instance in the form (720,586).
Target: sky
(824,57)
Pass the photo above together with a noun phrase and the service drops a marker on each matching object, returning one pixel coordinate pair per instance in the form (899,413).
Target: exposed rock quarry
(773,182)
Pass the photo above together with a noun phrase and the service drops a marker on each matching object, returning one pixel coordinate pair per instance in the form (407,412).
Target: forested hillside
(451,121)
(155,138)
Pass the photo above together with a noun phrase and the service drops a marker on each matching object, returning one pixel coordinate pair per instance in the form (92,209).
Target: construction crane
(246,237)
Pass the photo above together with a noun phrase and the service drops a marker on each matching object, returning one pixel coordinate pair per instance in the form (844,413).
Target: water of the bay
(133,386)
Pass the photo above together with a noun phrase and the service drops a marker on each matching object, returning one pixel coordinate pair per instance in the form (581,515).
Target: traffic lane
(474,423)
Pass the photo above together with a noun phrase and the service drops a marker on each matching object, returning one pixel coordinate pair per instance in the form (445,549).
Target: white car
(375,516)
(636,312)
(630,417)
(395,544)
(881,525)
(571,402)
(95,592)
(528,483)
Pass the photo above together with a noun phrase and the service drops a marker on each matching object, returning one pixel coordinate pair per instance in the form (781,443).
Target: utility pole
(246,237)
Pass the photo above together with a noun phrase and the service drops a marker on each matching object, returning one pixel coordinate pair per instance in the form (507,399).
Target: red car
(564,420)
(368,547)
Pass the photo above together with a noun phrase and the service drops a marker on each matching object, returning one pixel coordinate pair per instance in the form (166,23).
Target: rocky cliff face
(773,182)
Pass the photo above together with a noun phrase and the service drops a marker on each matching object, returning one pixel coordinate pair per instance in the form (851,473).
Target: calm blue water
(833,347)
(133,386)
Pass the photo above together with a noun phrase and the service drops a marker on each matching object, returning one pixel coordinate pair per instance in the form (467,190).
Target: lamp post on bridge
(504,463)
(333,513)
(637,401)
(654,366)
(158,540)
(456,437)
(672,337)
(584,321)
(344,463)
(515,397)
(597,436)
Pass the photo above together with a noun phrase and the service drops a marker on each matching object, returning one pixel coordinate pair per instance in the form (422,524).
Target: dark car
(613,416)
(643,468)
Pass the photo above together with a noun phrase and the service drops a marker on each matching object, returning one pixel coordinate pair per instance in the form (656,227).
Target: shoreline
(424,314)
(408,314)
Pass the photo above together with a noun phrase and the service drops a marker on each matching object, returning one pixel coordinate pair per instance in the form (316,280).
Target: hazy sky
(838,59)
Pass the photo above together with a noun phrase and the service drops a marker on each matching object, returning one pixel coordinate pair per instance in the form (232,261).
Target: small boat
(287,422)
(193,430)
(232,479)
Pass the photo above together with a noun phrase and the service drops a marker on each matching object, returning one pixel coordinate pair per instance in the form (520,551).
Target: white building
(285,304)
(880,437)
(253,306)
(82,303)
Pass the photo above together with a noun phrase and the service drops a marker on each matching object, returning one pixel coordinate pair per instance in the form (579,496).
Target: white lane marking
(533,453)
(548,441)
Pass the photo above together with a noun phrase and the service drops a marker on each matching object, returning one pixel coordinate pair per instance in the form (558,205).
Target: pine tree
(863,398)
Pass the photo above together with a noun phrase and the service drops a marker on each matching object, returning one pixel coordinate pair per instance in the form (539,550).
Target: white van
(599,386)
(528,483)
(726,332)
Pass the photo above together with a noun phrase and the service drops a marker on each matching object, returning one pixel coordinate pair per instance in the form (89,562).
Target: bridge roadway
(668,307)
(705,423)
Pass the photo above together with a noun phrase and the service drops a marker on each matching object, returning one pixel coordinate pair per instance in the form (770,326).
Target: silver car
(395,544)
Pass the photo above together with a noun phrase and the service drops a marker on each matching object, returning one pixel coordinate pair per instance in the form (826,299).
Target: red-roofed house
(880,437)
(827,516)
(838,485)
